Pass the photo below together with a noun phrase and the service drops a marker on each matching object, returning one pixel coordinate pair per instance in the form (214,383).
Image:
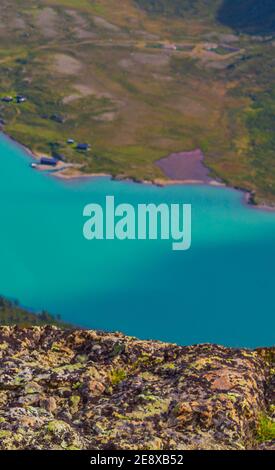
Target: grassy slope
(128,97)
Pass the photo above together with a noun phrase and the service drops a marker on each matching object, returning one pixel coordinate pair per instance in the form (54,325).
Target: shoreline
(159,182)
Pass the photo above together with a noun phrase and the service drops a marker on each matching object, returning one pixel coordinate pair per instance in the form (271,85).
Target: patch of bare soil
(80,26)
(91,89)
(18,23)
(71,98)
(102,23)
(47,22)
(190,107)
(229,38)
(85,90)
(147,36)
(157,60)
(217,65)
(126,63)
(106,117)
(67,65)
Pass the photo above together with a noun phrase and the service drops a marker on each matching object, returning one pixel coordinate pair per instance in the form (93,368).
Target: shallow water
(221,291)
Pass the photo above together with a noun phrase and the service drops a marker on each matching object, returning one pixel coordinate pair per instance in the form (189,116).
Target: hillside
(90,390)
(140,83)
(12,314)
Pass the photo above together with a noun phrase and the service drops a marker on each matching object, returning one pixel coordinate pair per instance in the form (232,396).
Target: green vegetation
(266,429)
(117,375)
(140,83)
(12,314)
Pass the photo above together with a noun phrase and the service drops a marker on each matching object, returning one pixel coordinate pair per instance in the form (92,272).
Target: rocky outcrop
(93,390)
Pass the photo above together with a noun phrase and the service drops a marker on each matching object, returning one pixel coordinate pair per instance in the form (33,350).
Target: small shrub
(116,376)
(266,429)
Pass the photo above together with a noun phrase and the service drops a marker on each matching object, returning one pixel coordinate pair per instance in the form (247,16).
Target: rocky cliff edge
(82,389)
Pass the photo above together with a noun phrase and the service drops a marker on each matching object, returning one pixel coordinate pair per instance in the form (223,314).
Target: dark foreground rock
(92,390)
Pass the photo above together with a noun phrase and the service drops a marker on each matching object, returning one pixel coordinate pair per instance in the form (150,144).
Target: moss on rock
(77,389)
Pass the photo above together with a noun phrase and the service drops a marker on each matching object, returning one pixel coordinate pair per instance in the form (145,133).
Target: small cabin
(57,118)
(170,47)
(48,161)
(20,99)
(7,99)
(210,46)
(58,156)
(83,147)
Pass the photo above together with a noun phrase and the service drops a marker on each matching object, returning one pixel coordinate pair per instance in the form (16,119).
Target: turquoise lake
(222,290)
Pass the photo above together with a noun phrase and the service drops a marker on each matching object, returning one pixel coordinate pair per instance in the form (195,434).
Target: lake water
(222,290)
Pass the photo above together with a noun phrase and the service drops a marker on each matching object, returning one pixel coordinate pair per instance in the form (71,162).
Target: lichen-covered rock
(92,390)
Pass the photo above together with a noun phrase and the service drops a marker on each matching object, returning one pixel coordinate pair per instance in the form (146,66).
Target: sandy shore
(72,172)
(163,182)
